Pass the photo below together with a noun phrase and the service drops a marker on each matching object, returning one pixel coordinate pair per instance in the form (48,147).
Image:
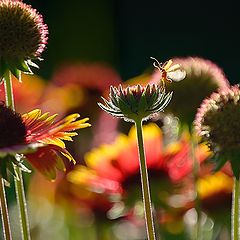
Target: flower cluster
(114,168)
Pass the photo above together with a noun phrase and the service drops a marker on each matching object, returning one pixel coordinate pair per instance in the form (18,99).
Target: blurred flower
(217,122)
(215,193)
(62,99)
(86,187)
(23,37)
(94,76)
(203,77)
(211,186)
(118,162)
(38,137)
(179,156)
(27,94)
(135,102)
(76,87)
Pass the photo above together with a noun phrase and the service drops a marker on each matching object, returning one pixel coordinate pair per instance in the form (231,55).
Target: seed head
(23,36)
(203,77)
(217,121)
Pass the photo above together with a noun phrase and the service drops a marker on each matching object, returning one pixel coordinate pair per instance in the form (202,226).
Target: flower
(38,137)
(23,37)
(202,78)
(215,194)
(118,163)
(84,187)
(136,102)
(94,76)
(62,99)
(217,122)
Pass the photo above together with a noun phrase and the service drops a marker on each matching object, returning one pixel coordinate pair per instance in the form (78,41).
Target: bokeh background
(126,33)
(122,35)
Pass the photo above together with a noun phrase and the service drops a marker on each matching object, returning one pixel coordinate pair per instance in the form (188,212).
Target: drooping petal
(49,158)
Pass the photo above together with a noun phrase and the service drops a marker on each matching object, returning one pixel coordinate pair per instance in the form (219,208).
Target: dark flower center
(159,182)
(23,33)
(12,128)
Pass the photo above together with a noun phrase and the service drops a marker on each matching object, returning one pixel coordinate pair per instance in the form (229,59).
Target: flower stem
(145,183)
(4,212)
(195,179)
(22,206)
(235,210)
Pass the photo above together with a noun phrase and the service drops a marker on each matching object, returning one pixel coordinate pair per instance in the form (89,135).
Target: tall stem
(235,210)
(145,183)
(21,200)
(4,212)
(195,179)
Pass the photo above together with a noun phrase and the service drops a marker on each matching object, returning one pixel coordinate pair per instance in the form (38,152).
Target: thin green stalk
(235,210)
(195,177)
(21,200)
(145,183)
(4,212)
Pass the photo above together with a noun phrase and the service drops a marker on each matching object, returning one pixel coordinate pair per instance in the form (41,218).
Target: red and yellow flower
(38,137)
(118,162)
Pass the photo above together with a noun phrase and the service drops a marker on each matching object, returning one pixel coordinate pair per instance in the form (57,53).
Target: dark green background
(125,33)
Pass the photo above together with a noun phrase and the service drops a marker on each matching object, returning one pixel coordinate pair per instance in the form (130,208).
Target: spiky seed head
(218,123)
(23,36)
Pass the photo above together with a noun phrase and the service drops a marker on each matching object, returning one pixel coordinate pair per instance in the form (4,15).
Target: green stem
(235,210)
(22,206)
(4,212)
(195,177)
(145,183)
(8,91)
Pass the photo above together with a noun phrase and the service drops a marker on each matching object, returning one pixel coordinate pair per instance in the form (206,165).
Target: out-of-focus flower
(62,99)
(202,78)
(94,76)
(118,162)
(27,94)
(179,156)
(79,85)
(217,122)
(136,102)
(23,37)
(92,191)
(215,194)
(38,137)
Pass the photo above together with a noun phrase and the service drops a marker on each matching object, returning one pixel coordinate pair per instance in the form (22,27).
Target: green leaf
(23,66)
(219,162)
(16,73)
(143,105)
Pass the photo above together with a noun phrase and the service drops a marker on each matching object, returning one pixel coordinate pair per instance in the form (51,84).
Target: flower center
(12,128)
(156,176)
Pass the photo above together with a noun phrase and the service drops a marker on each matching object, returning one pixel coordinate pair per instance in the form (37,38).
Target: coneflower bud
(136,102)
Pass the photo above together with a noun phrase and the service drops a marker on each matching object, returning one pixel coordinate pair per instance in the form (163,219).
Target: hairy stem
(195,177)
(21,200)
(145,183)
(4,212)
(235,210)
